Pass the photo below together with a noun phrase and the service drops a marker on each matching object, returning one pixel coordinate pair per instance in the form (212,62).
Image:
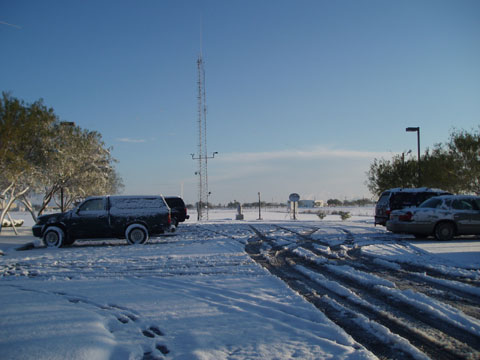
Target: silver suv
(441,216)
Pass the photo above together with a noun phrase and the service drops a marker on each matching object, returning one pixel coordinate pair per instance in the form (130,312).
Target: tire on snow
(54,237)
(136,234)
(445,231)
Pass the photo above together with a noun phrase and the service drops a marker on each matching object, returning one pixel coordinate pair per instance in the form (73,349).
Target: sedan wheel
(444,231)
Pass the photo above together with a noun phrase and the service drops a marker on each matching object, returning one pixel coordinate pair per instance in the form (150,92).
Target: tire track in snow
(282,262)
(463,296)
(320,298)
(421,306)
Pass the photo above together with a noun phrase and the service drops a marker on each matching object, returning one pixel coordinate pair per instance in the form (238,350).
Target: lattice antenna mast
(202,143)
(202,155)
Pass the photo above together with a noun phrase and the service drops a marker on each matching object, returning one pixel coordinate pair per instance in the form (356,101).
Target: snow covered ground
(198,294)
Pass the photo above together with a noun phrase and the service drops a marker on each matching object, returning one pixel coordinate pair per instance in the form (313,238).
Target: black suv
(132,217)
(177,208)
(399,198)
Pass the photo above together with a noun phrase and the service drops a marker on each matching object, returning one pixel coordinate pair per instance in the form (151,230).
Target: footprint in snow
(151,332)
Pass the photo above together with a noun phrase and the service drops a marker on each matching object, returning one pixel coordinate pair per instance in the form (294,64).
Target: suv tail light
(169,219)
(406,217)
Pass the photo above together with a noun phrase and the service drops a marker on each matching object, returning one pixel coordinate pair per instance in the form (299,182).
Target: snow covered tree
(87,167)
(78,166)
(41,155)
(24,146)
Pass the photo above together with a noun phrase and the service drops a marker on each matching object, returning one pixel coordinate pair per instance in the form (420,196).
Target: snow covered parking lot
(224,289)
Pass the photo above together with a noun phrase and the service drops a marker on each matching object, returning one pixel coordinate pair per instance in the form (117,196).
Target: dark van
(177,208)
(134,218)
(399,198)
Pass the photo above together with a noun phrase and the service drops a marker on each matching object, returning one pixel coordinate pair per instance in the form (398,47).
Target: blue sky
(301,95)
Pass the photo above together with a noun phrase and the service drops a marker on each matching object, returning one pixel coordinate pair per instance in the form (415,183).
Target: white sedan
(442,216)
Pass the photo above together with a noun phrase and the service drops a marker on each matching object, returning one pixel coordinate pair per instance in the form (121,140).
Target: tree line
(453,166)
(41,156)
(358,202)
(264,204)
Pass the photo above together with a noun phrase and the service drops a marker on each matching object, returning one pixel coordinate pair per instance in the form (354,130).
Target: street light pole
(417,130)
(70,124)
(403,167)
(259,207)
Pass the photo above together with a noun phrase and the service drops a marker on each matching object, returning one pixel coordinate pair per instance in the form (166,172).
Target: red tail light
(406,217)
(169,219)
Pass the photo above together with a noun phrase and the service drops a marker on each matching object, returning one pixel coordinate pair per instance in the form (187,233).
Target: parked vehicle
(134,218)
(177,208)
(399,198)
(442,216)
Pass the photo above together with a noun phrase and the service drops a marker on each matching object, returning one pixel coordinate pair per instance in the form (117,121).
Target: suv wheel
(444,231)
(136,234)
(53,237)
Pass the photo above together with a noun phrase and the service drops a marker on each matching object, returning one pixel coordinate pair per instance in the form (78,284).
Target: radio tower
(202,157)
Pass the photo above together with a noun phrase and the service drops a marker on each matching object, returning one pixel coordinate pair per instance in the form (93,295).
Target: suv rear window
(404,199)
(407,199)
(175,202)
(384,198)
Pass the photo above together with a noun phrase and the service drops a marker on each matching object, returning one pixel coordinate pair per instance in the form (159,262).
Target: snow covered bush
(344,215)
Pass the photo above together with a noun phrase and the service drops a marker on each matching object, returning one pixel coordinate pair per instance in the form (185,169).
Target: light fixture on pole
(417,130)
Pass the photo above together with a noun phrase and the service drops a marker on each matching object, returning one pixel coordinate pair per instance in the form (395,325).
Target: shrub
(321,214)
(344,215)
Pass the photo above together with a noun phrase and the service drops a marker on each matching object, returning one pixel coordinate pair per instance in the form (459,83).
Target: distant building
(306,203)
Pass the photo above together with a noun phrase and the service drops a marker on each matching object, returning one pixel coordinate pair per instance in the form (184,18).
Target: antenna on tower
(202,155)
